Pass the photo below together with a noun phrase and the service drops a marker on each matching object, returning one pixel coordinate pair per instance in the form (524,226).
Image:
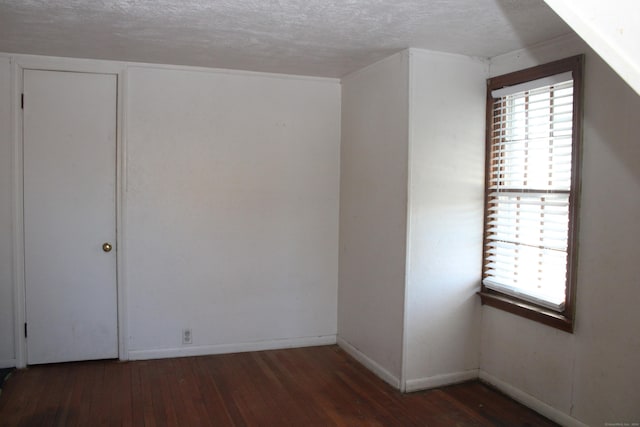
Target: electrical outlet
(187,336)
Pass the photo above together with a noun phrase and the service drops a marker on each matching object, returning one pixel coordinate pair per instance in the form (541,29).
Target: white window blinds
(528,193)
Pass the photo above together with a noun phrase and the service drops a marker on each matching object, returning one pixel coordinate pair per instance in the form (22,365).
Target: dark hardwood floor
(315,386)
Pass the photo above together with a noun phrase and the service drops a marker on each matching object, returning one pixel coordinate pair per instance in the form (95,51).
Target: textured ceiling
(311,37)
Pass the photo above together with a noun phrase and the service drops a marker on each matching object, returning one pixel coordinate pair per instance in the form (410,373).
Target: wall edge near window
(564,320)
(527,310)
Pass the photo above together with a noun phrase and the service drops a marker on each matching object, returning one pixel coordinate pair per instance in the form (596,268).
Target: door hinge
(22,101)
(25,329)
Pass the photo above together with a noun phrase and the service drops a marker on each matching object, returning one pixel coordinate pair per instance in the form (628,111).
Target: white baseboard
(441,380)
(526,399)
(369,363)
(8,363)
(203,350)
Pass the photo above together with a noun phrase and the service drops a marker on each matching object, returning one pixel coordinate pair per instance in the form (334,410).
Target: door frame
(19,64)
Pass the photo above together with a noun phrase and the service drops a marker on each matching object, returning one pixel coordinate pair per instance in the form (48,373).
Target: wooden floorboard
(313,386)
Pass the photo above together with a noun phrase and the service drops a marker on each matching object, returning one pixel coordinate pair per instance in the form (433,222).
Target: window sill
(526,309)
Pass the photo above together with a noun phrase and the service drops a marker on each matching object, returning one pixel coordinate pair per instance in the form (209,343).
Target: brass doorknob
(107,247)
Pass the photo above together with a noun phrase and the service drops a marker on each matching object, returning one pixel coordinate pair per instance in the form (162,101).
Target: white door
(69,213)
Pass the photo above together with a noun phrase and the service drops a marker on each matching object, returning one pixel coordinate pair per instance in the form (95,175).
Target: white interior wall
(7,348)
(373,214)
(446,199)
(592,375)
(232,210)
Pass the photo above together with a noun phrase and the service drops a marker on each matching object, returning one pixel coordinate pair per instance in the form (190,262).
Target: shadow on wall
(532,21)
(613,126)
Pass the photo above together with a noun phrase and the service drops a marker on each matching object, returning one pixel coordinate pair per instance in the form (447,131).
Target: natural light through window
(528,193)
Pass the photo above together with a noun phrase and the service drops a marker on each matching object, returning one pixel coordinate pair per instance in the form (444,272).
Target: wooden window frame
(564,320)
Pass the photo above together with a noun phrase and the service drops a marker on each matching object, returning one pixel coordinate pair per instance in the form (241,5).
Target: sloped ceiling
(611,29)
(327,38)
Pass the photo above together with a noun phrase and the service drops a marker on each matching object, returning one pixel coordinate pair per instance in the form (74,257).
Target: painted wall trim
(63,62)
(121,209)
(205,350)
(369,363)
(441,380)
(20,345)
(7,363)
(531,402)
(408,231)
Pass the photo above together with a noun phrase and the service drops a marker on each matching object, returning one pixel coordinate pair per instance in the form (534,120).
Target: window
(531,192)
